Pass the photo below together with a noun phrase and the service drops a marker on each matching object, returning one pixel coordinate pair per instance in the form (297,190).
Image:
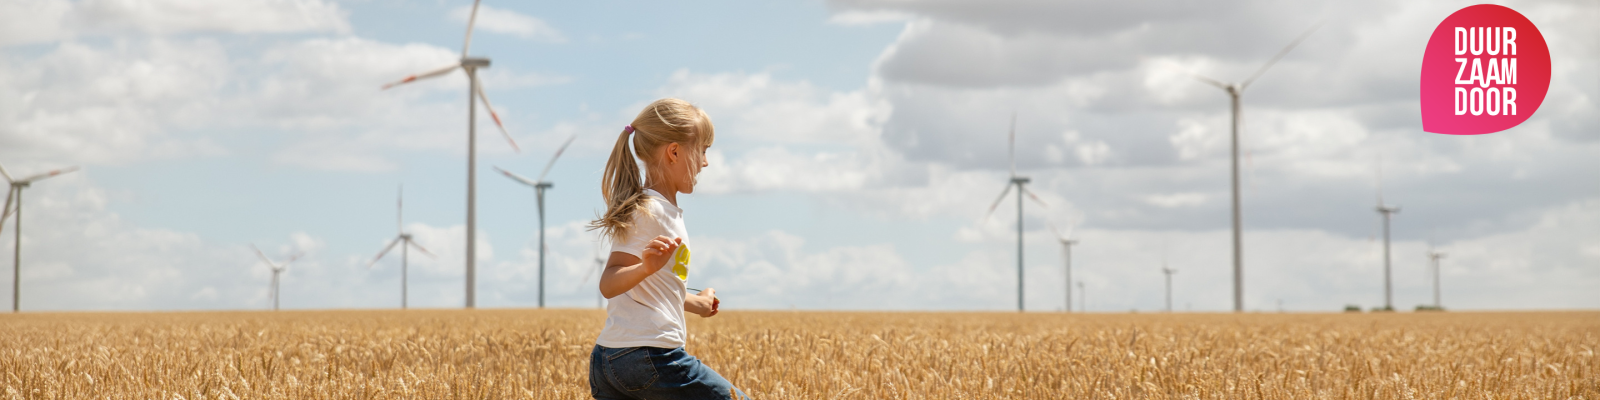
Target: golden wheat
(786,355)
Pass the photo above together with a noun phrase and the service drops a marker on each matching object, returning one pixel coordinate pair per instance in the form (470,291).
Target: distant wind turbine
(599,267)
(401,236)
(1066,247)
(14,206)
(1083,298)
(1234,91)
(1386,211)
(276,269)
(1019,182)
(1435,256)
(474,94)
(539,186)
(1168,272)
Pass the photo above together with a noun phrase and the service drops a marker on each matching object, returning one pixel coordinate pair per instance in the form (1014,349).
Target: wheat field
(543,354)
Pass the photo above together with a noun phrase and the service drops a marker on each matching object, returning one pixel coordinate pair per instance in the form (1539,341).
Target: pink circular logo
(1486,69)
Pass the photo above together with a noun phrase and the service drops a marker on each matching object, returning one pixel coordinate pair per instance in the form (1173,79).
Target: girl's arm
(703,304)
(624,271)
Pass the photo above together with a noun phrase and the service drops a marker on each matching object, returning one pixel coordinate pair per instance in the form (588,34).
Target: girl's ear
(671,153)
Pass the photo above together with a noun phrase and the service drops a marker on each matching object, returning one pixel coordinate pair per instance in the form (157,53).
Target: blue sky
(860,143)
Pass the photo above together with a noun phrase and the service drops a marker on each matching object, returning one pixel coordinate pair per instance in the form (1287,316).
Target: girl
(639,354)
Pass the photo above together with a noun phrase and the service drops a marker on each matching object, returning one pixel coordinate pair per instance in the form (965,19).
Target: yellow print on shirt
(680,263)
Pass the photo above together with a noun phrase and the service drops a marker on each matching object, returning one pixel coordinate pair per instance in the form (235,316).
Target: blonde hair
(660,123)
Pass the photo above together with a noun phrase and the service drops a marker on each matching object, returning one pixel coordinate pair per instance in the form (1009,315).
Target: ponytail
(623,189)
(622,186)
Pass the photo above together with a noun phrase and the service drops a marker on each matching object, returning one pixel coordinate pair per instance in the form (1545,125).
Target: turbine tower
(539,186)
(1066,246)
(1435,256)
(1234,91)
(474,94)
(276,269)
(405,237)
(14,206)
(1019,182)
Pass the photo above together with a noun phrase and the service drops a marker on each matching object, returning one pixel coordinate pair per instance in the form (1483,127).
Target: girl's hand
(704,304)
(658,252)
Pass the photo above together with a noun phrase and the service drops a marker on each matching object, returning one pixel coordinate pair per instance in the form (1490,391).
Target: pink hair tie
(627,129)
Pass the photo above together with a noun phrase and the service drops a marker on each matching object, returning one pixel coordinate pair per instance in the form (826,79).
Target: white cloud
(36,21)
(756,108)
(131,101)
(511,23)
(1176,199)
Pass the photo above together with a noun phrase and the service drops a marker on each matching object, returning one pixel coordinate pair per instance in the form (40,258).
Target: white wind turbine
(1435,256)
(1019,182)
(539,186)
(1234,91)
(1386,211)
(599,267)
(401,236)
(14,206)
(1168,272)
(276,269)
(474,94)
(1083,298)
(1066,246)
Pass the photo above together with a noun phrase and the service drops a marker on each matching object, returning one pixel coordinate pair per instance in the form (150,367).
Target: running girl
(639,354)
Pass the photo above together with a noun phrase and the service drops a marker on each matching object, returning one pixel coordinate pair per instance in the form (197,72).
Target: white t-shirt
(650,314)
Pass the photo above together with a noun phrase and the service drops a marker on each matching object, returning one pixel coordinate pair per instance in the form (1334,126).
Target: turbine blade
(471,19)
(262,255)
(1054,230)
(1377,183)
(1279,56)
(1035,197)
(1011,154)
(553,158)
(496,117)
(6,211)
(386,249)
(5,173)
(413,243)
(997,201)
(296,256)
(424,75)
(400,209)
(1209,81)
(516,177)
(47,175)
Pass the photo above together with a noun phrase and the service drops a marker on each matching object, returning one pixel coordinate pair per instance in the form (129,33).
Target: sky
(860,146)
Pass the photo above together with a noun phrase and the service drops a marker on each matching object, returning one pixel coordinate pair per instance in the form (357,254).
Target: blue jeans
(653,373)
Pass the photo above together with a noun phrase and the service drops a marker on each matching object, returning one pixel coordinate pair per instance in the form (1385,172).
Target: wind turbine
(1083,298)
(599,266)
(539,186)
(14,197)
(1386,211)
(1435,256)
(1234,91)
(276,269)
(1019,182)
(402,236)
(1066,246)
(1168,272)
(474,93)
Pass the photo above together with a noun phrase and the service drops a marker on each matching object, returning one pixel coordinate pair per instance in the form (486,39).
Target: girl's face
(683,163)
